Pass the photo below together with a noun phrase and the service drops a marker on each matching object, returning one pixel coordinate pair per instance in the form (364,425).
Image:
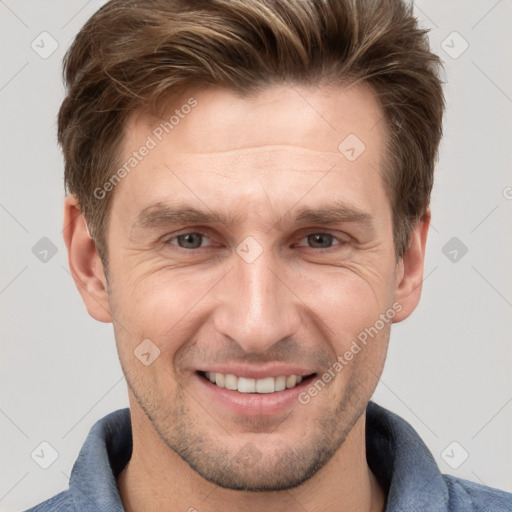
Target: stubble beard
(246,467)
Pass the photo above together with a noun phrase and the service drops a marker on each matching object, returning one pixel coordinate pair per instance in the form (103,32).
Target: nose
(257,307)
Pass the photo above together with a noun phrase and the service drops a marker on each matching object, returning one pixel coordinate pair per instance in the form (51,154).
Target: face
(251,244)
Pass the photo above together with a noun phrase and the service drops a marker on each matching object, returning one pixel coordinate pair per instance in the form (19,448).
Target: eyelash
(340,241)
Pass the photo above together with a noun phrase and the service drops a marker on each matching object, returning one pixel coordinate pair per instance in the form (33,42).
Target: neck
(156,478)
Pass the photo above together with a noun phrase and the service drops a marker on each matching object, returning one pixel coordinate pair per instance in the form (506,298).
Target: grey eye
(190,240)
(318,239)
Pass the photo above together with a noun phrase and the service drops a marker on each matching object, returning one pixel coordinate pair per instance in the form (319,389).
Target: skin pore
(251,287)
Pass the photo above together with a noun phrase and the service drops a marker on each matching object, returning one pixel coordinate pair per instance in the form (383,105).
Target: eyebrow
(163,215)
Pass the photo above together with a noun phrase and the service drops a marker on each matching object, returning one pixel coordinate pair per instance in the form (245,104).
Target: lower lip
(253,404)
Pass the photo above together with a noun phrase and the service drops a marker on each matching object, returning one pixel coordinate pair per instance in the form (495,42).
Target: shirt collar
(106,451)
(402,463)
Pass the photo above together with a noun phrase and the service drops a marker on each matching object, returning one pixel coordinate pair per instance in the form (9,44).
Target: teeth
(280,383)
(291,381)
(220,380)
(231,382)
(245,385)
(266,385)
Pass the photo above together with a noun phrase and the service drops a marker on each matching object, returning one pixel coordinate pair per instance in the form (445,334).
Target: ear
(84,262)
(409,273)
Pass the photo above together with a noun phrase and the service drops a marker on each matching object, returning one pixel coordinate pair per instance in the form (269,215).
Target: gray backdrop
(448,370)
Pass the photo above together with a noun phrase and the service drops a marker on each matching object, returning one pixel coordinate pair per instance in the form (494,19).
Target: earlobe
(84,262)
(410,270)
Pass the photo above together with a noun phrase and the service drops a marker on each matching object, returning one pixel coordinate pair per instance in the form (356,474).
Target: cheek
(346,302)
(161,306)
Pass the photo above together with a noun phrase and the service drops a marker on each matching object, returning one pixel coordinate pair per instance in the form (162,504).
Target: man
(294,142)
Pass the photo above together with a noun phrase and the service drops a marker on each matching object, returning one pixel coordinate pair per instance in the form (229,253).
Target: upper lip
(257,372)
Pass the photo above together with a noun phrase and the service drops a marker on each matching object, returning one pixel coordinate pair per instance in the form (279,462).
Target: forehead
(318,118)
(217,145)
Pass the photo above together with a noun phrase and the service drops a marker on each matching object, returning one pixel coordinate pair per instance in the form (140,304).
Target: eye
(193,240)
(190,240)
(322,240)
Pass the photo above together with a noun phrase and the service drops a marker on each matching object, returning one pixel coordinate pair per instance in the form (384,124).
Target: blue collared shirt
(396,454)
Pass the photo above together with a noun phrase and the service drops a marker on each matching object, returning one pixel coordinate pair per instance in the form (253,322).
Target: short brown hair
(133,55)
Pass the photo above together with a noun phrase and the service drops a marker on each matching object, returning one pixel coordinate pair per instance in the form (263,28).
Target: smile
(248,385)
